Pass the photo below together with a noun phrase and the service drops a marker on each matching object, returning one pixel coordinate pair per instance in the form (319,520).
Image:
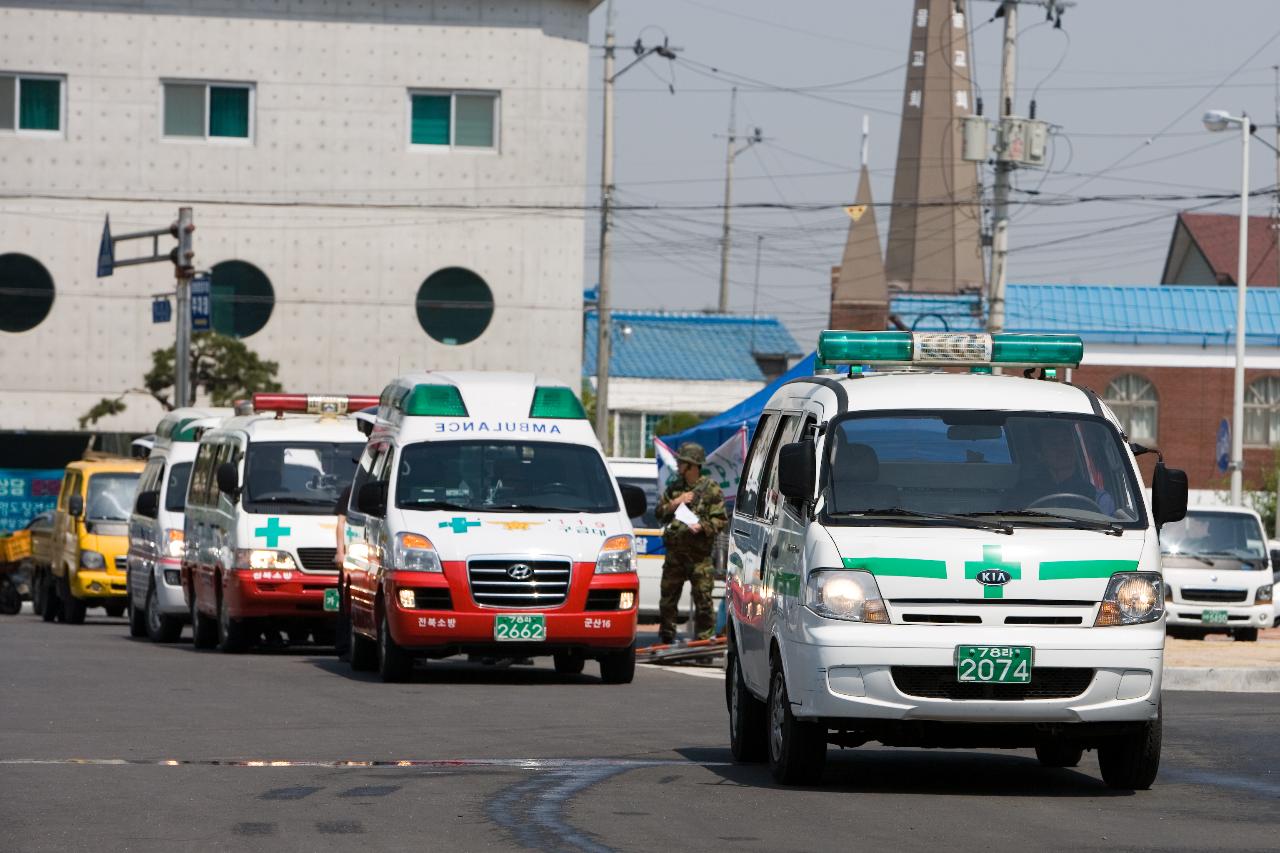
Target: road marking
(697,672)
(521,763)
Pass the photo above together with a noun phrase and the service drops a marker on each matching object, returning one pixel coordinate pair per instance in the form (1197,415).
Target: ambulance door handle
(773,552)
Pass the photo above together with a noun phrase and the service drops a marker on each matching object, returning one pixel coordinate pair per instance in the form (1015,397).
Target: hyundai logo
(993,577)
(520,571)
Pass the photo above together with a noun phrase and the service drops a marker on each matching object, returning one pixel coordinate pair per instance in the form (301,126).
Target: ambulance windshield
(498,476)
(298,477)
(1020,468)
(1215,534)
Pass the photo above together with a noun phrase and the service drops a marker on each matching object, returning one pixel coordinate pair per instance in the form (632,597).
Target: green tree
(222,366)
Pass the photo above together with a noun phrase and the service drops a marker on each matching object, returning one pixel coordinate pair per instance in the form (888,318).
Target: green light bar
(835,347)
(949,348)
(558,403)
(1036,350)
(444,401)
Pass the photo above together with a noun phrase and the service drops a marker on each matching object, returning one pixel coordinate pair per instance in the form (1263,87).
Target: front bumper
(170,598)
(98,583)
(1182,615)
(253,594)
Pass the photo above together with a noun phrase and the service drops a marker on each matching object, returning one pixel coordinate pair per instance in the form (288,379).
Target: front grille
(604,599)
(122,564)
(1225,596)
(432,598)
(942,618)
(492,586)
(317,559)
(1042,620)
(939,682)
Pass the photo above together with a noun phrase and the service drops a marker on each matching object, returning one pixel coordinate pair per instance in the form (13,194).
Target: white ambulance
(483,521)
(260,524)
(946,559)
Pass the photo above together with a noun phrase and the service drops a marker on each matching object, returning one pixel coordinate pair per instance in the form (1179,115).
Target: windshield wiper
(1204,560)
(530,508)
(277,499)
(1111,528)
(1250,560)
(962,520)
(432,504)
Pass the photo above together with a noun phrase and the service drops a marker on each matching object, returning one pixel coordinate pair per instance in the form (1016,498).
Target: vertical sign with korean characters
(201,302)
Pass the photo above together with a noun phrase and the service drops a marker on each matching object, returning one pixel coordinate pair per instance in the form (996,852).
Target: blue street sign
(1222,449)
(161,310)
(106,251)
(201,303)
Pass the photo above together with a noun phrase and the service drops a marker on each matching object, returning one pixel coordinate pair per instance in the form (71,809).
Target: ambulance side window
(749,495)
(808,432)
(370,461)
(150,479)
(226,453)
(200,476)
(771,497)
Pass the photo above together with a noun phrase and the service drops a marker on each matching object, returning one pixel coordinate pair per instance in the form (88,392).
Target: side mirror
(75,506)
(228,479)
(634,501)
(1168,494)
(797,468)
(148,503)
(372,499)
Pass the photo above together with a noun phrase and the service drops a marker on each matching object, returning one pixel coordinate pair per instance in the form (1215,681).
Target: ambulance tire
(364,652)
(1059,753)
(204,631)
(73,609)
(1130,762)
(748,737)
(137,617)
(395,665)
(619,667)
(569,663)
(1245,635)
(233,636)
(797,749)
(50,608)
(161,627)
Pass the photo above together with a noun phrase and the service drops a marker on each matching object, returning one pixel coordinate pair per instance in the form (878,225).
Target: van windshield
(110,497)
(497,476)
(1031,468)
(298,477)
(1215,534)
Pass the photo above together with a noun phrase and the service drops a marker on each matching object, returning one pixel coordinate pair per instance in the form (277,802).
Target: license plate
(521,627)
(331,600)
(994,664)
(1213,617)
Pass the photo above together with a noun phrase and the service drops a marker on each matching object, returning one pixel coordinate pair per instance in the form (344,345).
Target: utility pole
(1275,235)
(1004,171)
(603,351)
(730,156)
(755,294)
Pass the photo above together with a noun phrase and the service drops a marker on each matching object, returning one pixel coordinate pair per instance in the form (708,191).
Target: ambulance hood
(1032,564)
(458,536)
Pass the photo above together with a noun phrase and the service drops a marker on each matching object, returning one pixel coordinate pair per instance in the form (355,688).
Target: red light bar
(313,404)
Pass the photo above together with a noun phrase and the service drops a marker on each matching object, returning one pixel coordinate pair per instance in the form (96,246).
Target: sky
(1125,82)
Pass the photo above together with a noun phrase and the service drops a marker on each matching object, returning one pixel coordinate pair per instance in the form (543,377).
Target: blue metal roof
(1108,313)
(688,346)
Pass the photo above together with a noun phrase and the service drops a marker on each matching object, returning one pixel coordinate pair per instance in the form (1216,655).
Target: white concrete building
(378,187)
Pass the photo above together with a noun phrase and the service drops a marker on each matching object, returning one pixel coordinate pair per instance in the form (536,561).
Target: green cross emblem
(459,524)
(991,560)
(273,532)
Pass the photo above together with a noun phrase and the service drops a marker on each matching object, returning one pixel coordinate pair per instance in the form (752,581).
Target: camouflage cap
(692,453)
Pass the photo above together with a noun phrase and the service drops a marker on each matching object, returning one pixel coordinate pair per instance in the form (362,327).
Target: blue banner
(25,493)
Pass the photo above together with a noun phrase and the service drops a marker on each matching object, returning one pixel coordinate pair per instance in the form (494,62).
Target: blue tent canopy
(715,431)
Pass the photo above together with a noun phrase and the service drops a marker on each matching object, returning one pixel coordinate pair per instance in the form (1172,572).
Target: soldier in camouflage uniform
(688,547)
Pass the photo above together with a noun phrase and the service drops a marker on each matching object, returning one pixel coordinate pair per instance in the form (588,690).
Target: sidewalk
(1220,663)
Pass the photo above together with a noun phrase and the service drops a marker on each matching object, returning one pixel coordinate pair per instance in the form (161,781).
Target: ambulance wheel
(619,667)
(1059,753)
(204,631)
(137,617)
(394,664)
(1130,762)
(50,607)
(161,627)
(363,651)
(1245,635)
(73,609)
(797,749)
(748,739)
(232,635)
(569,663)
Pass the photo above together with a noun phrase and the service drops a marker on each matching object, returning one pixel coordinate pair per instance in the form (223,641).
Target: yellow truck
(87,566)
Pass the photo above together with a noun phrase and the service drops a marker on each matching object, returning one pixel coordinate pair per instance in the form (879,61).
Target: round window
(26,293)
(454,306)
(242,299)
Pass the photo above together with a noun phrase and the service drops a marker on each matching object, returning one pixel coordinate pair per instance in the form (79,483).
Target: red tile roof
(1216,235)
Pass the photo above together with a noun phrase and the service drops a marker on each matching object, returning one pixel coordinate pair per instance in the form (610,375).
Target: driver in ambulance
(1059,451)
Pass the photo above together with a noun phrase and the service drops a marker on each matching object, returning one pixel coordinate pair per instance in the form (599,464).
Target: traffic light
(184,254)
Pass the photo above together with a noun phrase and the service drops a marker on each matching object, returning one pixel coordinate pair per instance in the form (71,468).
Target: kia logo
(520,572)
(993,577)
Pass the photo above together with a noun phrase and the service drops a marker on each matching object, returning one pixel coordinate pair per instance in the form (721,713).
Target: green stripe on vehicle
(1066,570)
(899,567)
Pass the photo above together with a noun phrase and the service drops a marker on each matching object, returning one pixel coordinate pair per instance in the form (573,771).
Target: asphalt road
(108,743)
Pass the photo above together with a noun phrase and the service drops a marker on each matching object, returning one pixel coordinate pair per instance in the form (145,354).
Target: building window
(30,103)
(453,119)
(1262,412)
(633,434)
(1136,404)
(454,306)
(242,298)
(208,111)
(26,293)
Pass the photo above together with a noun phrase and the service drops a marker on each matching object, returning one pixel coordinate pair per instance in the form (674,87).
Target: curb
(1222,679)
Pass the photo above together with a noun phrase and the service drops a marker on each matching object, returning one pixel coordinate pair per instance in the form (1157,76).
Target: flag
(724,464)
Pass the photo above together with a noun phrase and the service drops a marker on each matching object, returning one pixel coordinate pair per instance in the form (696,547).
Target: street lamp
(1219,120)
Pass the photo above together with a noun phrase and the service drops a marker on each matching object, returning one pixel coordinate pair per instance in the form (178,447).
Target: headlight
(260,559)
(616,555)
(1263,595)
(175,545)
(415,553)
(92,560)
(1132,598)
(844,594)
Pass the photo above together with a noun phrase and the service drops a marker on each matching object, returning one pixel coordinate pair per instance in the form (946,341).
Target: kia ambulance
(157,605)
(260,522)
(927,551)
(483,521)
(1217,574)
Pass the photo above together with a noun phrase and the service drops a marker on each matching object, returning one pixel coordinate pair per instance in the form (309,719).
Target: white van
(261,520)
(483,521)
(157,606)
(946,559)
(1217,573)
